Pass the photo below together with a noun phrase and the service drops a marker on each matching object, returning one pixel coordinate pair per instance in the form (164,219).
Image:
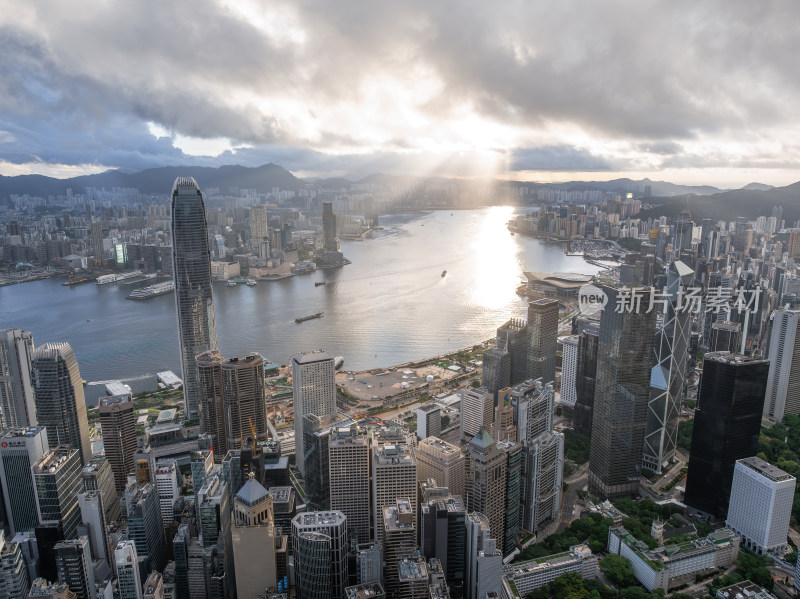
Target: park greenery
(780,446)
(573,586)
(576,447)
(685,428)
(592,529)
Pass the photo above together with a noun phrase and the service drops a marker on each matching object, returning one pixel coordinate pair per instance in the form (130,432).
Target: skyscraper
(533,404)
(443,462)
(231,399)
(57,477)
(512,338)
(259,232)
(783,383)
(569,370)
(394,474)
(16,392)
(399,541)
(19,450)
(622,390)
(329,241)
(477,411)
(14,578)
(314,389)
(320,545)
(486,479)
(60,404)
(484,561)
(668,375)
(119,436)
(144,525)
(97,476)
(74,565)
(96,232)
(585,380)
(543,473)
(515,454)
(543,339)
(727,423)
(348,460)
(191,270)
(127,569)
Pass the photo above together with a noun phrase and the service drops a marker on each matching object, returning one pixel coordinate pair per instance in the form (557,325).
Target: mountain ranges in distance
(668,199)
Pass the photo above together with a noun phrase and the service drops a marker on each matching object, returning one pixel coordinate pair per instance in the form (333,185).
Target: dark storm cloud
(78,83)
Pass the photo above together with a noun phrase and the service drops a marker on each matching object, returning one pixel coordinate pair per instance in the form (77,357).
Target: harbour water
(391,305)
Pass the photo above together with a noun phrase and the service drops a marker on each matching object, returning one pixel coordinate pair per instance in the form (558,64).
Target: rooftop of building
(658,558)
(765,469)
(367,590)
(558,279)
(743,589)
(152,583)
(329,518)
(281,494)
(310,357)
(451,503)
(252,492)
(440,445)
(731,358)
(428,408)
(411,569)
(16,433)
(392,454)
(726,325)
(548,561)
(513,325)
(54,460)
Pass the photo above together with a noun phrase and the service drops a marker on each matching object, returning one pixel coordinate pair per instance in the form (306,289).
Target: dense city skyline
(578,92)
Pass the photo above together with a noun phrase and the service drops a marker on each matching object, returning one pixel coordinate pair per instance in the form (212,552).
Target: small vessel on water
(318,283)
(338,361)
(230,283)
(300,319)
(444,272)
(252,282)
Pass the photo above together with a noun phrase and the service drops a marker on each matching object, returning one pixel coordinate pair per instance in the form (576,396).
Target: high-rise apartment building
(668,375)
(127,569)
(214,524)
(348,461)
(259,231)
(727,424)
(231,399)
(569,370)
(191,271)
(320,546)
(329,241)
(394,474)
(60,403)
(622,391)
(783,383)
(74,566)
(443,462)
(314,390)
(57,478)
(761,505)
(585,380)
(486,479)
(20,449)
(96,232)
(477,411)
(543,338)
(119,436)
(16,391)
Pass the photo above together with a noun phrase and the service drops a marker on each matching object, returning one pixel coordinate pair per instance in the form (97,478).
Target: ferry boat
(252,282)
(309,317)
(318,283)
(230,283)
(444,273)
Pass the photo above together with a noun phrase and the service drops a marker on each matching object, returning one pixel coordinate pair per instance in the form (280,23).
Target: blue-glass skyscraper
(191,269)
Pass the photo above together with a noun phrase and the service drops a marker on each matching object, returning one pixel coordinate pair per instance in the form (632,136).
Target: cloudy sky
(686,91)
